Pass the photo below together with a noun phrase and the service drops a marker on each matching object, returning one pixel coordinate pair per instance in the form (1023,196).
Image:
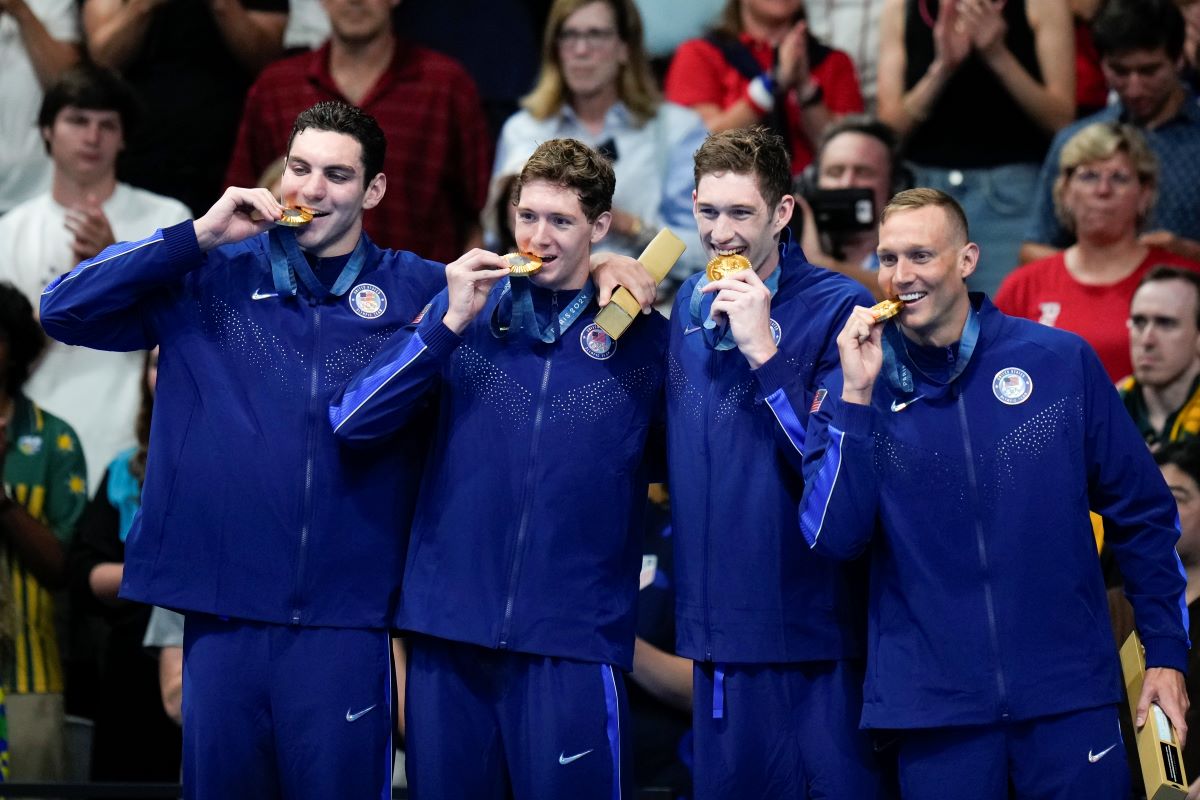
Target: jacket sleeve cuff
(1166,651)
(853,419)
(440,340)
(182,247)
(773,374)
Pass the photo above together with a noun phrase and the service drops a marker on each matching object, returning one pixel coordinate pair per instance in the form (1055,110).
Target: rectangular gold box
(1157,744)
(658,258)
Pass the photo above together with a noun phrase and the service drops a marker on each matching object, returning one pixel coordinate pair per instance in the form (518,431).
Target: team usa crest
(776,332)
(1012,386)
(596,343)
(368,301)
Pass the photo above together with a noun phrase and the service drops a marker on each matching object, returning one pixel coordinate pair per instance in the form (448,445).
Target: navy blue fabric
(987,600)
(1063,757)
(527,534)
(787,732)
(281,711)
(748,590)
(251,508)
(489,725)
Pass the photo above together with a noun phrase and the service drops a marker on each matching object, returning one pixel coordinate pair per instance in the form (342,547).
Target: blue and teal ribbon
(718,337)
(288,261)
(515,311)
(898,364)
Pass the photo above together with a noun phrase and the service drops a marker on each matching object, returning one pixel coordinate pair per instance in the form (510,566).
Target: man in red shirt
(439,153)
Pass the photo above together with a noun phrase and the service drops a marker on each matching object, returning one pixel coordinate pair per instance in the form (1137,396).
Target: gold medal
(886,310)
(295,217)
(522,265)
(724,266)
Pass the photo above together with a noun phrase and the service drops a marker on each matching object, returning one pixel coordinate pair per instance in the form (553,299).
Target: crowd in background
(1068,131)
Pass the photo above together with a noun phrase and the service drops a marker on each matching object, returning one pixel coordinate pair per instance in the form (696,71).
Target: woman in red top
(1105,188)
(762,66)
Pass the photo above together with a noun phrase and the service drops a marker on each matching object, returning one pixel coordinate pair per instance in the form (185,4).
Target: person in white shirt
(83,120)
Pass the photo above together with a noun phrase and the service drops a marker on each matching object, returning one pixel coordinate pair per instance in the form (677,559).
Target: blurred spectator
(83,121)
(44,493)
(307,25)
(852,26)
(1104,192)
(438,150)
(38,40)
(976,88)
(466,31)
(1162,395)
(660,686)
(1190,9)
(191,62)
(595,86)
(857,152)
(762,64)
(135,740)
(164,641)
(1091,90)
(1140,44)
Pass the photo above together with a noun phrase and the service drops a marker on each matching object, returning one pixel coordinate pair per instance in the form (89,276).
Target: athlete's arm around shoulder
(98,304)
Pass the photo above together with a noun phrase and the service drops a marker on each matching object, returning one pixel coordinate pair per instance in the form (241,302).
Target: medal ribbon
(522,317)
(898,372)
(288,261)
(719,337)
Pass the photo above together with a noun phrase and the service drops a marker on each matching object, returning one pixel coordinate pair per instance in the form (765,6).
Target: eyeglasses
(568,38)
(1093,177)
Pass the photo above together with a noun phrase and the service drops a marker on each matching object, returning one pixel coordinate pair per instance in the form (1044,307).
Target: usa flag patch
(421,316)
(817,400)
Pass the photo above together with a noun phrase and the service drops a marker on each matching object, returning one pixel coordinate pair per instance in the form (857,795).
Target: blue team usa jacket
(251,508)
(987,601)
(748,588)
(527,534)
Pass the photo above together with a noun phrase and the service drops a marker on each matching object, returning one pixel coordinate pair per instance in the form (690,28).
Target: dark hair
(864,124)
(1125,25)
(1184,454)
(22,333)
(572,164)
(93,88)
(1165,272)
(339,117)
(756,151)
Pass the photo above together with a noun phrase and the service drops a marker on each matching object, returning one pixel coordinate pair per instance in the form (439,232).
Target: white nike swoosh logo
(690,329)
(259,295)
(898,407)
(1094,757)
(563,758)
(351,717)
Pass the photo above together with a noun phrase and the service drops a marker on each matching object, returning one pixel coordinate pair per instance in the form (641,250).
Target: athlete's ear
(375,191)
(968,259)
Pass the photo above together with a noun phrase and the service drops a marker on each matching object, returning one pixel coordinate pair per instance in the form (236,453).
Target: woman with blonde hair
(1106,186)
(596,86)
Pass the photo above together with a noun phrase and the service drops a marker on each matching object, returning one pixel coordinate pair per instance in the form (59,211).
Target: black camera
(843,211)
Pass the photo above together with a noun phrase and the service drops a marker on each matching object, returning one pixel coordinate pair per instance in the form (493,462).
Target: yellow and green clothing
(45,473)
(1183,424)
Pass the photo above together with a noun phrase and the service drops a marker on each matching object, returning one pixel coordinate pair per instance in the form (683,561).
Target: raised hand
(238,215)
(745,302)
(860,346)
(89,227)
(469,281)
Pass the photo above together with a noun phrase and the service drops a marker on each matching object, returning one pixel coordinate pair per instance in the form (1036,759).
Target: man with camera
(840,196)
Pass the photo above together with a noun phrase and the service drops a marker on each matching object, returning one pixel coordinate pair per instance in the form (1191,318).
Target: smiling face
(552,225)
(924,260)
(733,217)
(324,173)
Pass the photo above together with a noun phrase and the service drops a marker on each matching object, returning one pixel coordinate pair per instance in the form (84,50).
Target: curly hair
(756,151)
(21,333)
(572,164)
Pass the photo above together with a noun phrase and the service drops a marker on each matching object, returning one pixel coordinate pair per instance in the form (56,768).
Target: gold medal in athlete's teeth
(886,310)
(295,217)
(724,266)
(522,265)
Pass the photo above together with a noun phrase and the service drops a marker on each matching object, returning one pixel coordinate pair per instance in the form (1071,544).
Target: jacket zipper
(988,599)
(706,418)
(309,466)
(514,569)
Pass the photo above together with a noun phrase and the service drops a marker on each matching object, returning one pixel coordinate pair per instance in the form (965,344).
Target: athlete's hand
(860,345)
(238,215)
(469,281)
(89,228)
(745,302)
(1167,688)
(610,270)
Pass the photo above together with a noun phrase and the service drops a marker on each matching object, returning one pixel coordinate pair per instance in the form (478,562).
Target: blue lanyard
(700,308)
(522,317)
(899,373)
(288,261)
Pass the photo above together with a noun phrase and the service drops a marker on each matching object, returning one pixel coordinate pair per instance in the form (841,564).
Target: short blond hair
(1098,142)
(924,197)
